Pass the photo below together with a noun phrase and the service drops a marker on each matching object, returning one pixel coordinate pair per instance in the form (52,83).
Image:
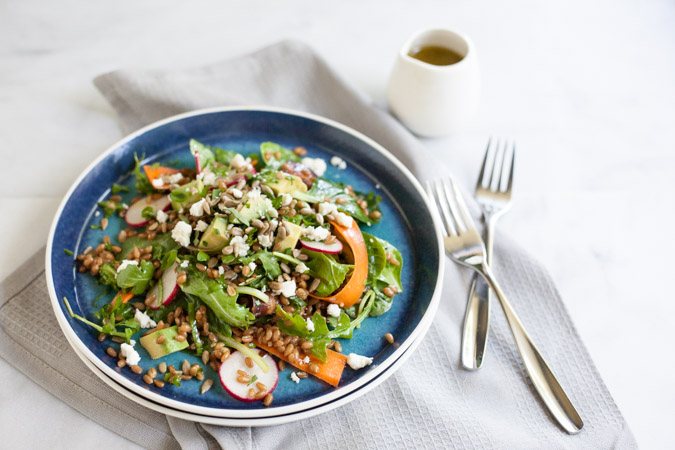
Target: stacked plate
(407,223)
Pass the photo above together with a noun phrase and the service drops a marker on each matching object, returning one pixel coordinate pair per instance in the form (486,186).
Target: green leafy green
(68,252)
(142,183)
(203,152)
(201,256)
(135,277)
(212,293)
(391,273)
(331,273)
(297,326)
(117,188)
(224,156)
(334,190)
(173,379)
(268,151)
(381,272)
(381,305)
(110,207)
(376,257)
(161,245)
(148,213)
(192,307)
(108,315)
(107,274)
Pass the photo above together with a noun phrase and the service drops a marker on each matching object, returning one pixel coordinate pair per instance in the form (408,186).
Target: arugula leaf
(116,188)
(192,306)
(268,151)
(136,278)
(201,256)
(331,273)
(211,292)
(204,152)
(161,245)
(376,257)
(107,274)
(391,273)
(334,190)
(142,183)
(224,156)
(297,326)
(381,305)
(269,261)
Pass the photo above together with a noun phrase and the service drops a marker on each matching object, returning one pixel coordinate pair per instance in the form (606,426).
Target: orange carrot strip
(154,173)
(352,291)
(125,296)
(329,371)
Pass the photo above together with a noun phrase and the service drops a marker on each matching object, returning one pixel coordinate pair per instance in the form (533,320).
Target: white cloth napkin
(430,402)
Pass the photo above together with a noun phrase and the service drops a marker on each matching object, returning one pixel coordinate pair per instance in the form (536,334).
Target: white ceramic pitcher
(433,100)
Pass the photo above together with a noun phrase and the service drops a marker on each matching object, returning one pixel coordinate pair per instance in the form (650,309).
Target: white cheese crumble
(181,233)
(157,183)
(144,320)
(295,378)
(344,220)
(253,193)
(201,226)
(315,233)
(130,353)
(185,263)
(161,216)
(125,263)
(238,161)
(301,268)
(221,270)
(338,162)
(306,360)
(357,362)
(173,179)
(97,213)
(286,199)
(317,165)
(287,288)
(239,245)
(197,209)
(265,240)
(209,178)
(236,193)
(310,324)
(252,266)
(333,310)
(327,208)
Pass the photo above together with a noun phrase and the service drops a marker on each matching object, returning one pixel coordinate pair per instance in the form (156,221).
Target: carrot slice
(352,291)
(329,371)
(154,173)
(125,296)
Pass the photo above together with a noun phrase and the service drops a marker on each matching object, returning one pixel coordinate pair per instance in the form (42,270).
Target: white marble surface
(586,88)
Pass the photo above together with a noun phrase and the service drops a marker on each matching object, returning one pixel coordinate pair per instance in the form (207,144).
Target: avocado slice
(286,183)
(182,197)
(170,345)
(291,239)
(253,209)
(215,236)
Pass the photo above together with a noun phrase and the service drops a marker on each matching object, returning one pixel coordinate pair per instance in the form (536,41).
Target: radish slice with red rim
(134,215)
(165,289)
(335,247)
(237,361)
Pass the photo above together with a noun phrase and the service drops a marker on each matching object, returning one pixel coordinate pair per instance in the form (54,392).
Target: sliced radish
(169,288)
(134,215)
(237,361)
(335,247)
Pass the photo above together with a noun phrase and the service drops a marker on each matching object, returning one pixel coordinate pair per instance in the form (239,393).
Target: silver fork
(493,194)
(464,245)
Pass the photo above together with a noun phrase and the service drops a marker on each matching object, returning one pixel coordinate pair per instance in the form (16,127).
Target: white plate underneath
(250,422)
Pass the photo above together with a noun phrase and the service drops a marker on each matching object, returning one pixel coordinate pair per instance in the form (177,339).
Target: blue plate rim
(383,367)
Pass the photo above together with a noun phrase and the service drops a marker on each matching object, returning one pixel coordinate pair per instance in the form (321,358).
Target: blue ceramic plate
(408,224)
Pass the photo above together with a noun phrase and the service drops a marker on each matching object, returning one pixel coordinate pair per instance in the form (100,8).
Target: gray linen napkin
(430,402)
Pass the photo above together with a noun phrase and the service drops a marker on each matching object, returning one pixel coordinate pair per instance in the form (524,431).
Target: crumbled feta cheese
(333,310)
(161,216)
(338,162)
(265,240)
(181,233)
(197,209)
(310,324)
(326,208)
(252,266)
(97,213)
(287,288)
(295,378)
(344,220)
(201,226)
(209,178)
(301,268)
(221,270)
(253,193)
(317,165)
(272,212)
(306,360)
(357,362)
(185,263)
(315,233)
(126,263)
(236,193)
(238,161)
(286,199)
(157,183)
(239,245)
(144,320)
(173,179)
(130,353)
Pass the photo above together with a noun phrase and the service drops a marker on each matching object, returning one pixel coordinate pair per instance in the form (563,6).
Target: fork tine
(441,209)
(448,217)
(481,176)
(495,162)
(454,212)
(464,211)
(513,162)
(502,167)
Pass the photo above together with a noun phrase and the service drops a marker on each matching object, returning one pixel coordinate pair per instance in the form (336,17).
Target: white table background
(586,88)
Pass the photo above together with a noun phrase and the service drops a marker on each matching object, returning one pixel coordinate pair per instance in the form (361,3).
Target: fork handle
(545,382)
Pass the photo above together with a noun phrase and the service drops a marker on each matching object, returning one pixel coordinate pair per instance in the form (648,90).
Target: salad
(244,261)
